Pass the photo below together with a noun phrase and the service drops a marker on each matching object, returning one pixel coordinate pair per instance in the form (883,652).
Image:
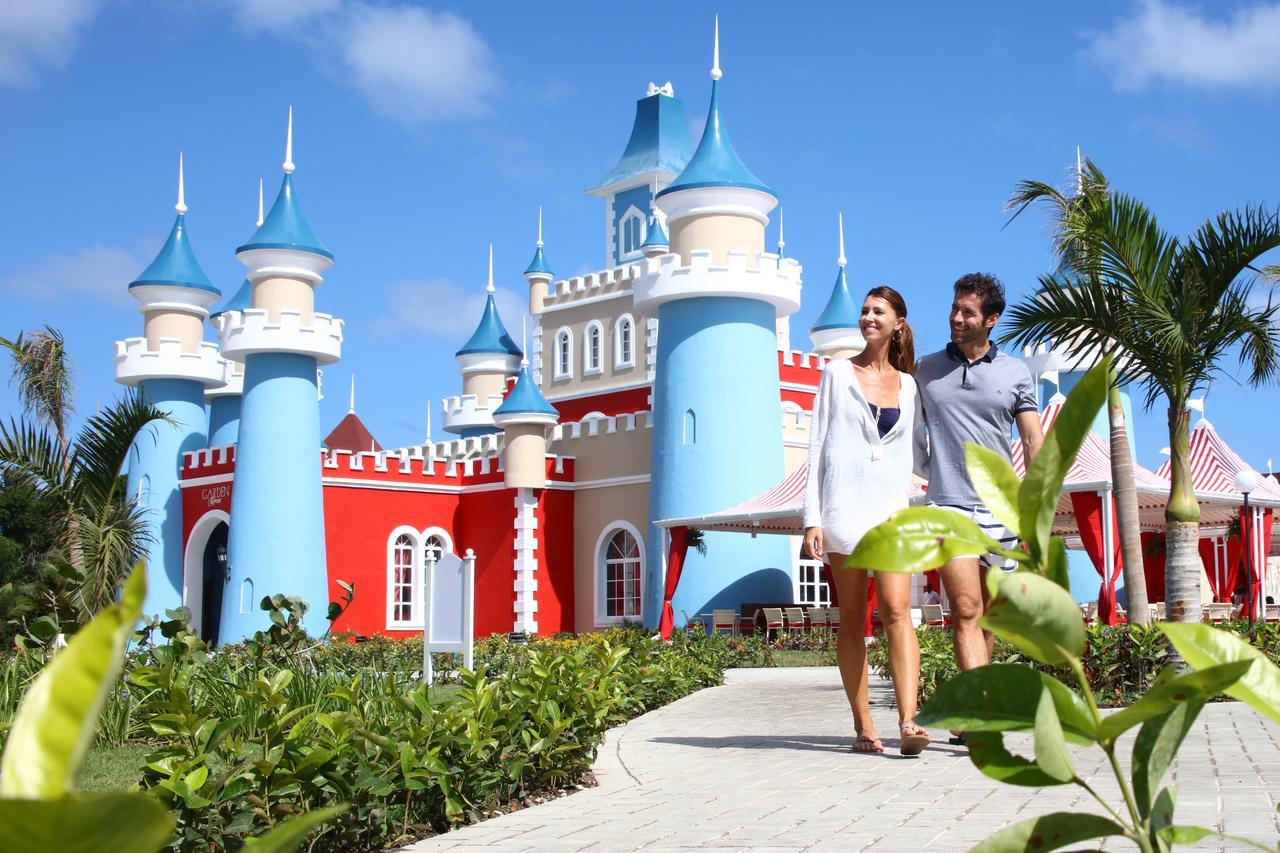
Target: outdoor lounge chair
(773,622)
(1089,610)
(1271,612)
(724,620)
(818,619)
(1219,611)
(931,614)
(833,619)
(795,620)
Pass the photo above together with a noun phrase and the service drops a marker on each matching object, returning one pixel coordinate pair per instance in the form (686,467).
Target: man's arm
(1030,433)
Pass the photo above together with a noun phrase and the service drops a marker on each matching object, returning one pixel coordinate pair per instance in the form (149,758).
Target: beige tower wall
(484,384)
(718,234)
(537,294)
(284,294)
(168,323)
(576,318)
(524,456)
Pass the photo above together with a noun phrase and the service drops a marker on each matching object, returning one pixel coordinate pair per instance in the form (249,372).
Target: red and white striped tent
(1214,467)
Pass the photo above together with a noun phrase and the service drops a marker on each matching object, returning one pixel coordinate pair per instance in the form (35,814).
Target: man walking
(973,392)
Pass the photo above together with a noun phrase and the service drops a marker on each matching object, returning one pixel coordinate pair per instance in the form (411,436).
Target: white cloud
(446,310)
(38,34)
(1173,43)
(278,16)
(101,272)
(415,65)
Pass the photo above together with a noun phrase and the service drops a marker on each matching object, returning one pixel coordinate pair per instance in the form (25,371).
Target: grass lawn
(787,657)
(112,768)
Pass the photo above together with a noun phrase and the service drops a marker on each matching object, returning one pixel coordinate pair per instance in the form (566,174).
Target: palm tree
(99,530)
(1178,309)
(1070,216)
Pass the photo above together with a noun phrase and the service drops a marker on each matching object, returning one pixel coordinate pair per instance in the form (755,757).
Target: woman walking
(861,456)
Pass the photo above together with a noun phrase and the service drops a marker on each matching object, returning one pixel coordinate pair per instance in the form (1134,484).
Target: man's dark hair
(986,287)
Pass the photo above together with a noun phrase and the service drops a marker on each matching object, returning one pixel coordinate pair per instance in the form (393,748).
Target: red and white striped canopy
(1214,466)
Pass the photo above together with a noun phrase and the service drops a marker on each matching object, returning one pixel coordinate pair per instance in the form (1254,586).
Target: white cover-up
(856,478)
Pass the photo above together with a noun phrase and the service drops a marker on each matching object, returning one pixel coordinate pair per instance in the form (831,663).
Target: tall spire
(489,287)
(716,73)
(539,226)
(782,240)
(524,342)
(538,267)
(181,206)
(842,260)
(259,202)
(352,407)
(1079,173)
(288,145)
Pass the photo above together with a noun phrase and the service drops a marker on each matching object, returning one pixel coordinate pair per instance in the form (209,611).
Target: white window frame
(562,368)
(633,214)
(444,537)
(415,604)
(601,586)
(810,585)
(592,367)
(623,360)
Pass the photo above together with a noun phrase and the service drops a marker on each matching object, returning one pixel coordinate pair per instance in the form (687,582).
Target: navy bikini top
(886,418)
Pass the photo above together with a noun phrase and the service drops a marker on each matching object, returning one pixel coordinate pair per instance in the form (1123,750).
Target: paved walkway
(763,763)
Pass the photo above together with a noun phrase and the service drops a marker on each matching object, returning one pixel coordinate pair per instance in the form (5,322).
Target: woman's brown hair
(902,345)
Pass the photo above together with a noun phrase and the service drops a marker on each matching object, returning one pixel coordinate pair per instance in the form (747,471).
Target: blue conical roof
(490,336)
(842,312)
(657,235)
(525,398)
(715,163)
(285,227)
(176,264)
(239,301)
(659,140)
(538,264)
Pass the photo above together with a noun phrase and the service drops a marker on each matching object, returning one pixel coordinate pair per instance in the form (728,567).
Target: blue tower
(277,514)
(224,402)
(487,359)
(717,436)
(171,366)
(837,332)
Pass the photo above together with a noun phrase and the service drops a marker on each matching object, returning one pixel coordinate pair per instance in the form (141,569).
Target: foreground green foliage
(1032,610)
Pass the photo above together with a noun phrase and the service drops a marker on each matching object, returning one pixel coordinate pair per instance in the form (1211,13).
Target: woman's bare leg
(851,647)
(894,591)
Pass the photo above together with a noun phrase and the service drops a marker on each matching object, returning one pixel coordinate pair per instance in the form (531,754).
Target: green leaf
(1005,697)
(288,835)
(1037,616)
(1164,695)
(1051,748)
(1058,569)
(996,483)
(84,823)
(1189,835)
(1203,646)
(1049,832)
(988,754)
(1155,748)
(1162,815)
(58,716)
(918,539)
(1038,494)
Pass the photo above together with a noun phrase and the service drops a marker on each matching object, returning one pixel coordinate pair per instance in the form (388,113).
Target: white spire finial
(841,260)
(288,146)
(716,73)
(181,206)
(259,202)
(524,342)
(539,226)
(489,287)
(351,408)
(1079,172)
(782,240)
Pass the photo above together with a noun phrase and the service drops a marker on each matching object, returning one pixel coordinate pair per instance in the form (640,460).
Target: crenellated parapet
(244,333)
(593,286)
(767,278)
(469,411)
(137,360)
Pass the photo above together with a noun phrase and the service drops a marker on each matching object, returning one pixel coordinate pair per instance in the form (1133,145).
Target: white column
(526,562)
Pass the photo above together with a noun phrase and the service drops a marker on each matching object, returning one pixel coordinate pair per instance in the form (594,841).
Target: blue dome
(176,264)
(659,141)
(285,227)
(525,399)
(657,235)
(842,312)
(539,264)
(239,301)
(715,163)
(490,336)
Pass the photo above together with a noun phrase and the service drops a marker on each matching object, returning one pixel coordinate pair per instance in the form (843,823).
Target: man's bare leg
(962,577)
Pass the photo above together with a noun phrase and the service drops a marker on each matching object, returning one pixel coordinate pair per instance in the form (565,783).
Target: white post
(1108,536)
(469,610)
(428,572)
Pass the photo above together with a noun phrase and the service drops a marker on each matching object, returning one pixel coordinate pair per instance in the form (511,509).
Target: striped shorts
(993,528)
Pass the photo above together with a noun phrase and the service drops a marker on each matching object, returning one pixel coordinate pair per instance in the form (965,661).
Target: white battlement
(208,456)
(244,333)
(136,361)
(808,360)
(468,411)
(768,279)
(597,425)
(235,382)
(591,284)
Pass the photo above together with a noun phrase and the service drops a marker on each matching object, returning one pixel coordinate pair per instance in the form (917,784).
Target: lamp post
(1246,482)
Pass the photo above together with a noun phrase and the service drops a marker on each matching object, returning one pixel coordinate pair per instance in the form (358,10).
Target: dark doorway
(215,579)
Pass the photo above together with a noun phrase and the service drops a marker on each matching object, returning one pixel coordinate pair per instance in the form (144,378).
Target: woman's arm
(818,424)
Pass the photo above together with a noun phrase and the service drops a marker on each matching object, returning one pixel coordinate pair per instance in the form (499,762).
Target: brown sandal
(871,745)
(914,739)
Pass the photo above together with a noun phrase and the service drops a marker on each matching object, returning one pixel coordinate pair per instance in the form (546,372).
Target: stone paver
(763,763)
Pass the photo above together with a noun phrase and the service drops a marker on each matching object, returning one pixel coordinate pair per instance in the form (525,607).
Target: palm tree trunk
(1126,499)
(1182,524)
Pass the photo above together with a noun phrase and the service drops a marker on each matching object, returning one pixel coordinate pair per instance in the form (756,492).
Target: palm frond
(43,375)
(102,447)
(35,453)
(1225,247)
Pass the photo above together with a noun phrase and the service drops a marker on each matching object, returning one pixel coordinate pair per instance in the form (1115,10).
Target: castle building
(621,410)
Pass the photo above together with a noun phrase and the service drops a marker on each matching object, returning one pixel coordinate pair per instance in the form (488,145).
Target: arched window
(563,355)
(592,344)
(690,426)
(404,561)
(620,569)
(246,596)
(624,342)
(631,231)
(435,544)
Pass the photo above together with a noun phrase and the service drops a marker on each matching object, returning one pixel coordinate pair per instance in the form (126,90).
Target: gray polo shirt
(966,402)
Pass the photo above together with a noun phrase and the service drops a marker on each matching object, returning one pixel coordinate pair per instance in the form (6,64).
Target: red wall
(555,561)
(487,525)
(607,403)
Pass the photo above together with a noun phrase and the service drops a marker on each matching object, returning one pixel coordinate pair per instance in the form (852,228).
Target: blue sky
(423,132)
